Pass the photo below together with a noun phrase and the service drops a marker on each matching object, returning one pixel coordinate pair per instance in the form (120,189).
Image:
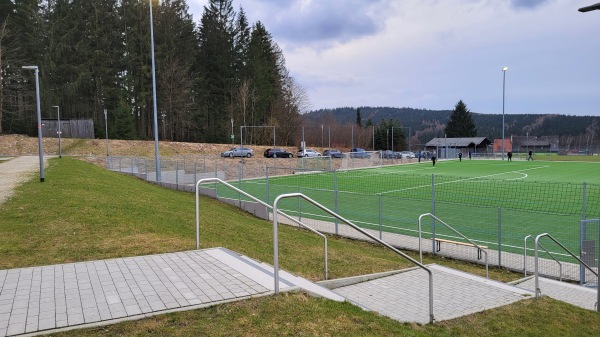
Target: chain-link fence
(497,214)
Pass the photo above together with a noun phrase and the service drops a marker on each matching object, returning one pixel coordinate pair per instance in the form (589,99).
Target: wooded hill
(428,124)
(94,55)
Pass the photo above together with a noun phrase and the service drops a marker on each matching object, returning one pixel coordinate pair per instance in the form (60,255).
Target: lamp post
(59,132)
(503,94)
(322,138)
(154,98)
(39,119)
(232,136)
(106,129)
(590,8)
(163,115)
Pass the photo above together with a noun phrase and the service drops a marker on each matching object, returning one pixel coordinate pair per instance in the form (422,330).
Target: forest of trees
(95,54)
(578,131)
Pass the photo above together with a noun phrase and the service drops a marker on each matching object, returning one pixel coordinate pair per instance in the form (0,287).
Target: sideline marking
(467,179)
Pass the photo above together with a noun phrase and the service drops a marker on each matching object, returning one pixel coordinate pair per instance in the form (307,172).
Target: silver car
(238,152)
(308,153)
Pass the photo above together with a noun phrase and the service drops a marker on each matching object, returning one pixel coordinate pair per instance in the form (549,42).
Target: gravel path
(16,171)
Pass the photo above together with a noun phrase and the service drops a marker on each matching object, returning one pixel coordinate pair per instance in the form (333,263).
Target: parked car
(389,154)
(333,153)
(408,154)
(277,153)
(359,153)
(308,153)
(238,152)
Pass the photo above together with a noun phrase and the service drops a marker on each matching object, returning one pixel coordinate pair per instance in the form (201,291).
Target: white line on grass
(467,179)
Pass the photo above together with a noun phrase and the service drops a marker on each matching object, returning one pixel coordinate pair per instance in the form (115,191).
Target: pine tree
(358,119)
(461,122)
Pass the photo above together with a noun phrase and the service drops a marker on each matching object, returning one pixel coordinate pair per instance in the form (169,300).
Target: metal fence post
(267,183)
(335,194)
(499,237)
(433,212)
(204,167)
(195,177)
(120,165)
(177,173)
(146,168)
(299,209)
(380,215)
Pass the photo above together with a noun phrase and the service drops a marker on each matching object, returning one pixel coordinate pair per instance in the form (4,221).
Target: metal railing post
(217,180)
(335,194)
(352,225)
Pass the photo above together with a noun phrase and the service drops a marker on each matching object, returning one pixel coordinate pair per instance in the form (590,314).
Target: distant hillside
(427,124)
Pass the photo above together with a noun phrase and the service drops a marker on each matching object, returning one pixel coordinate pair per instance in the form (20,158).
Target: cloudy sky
(431,53)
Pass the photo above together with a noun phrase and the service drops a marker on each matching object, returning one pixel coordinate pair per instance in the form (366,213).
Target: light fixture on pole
(106,129)
(59,132)
(590,8)
(154,98)
(503,95)
(39,119)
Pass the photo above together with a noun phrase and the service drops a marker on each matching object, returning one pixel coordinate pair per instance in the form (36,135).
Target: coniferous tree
(461,122)
(358,119)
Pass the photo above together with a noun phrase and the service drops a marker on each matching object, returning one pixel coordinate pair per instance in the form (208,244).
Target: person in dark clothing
(433,159)
(530,157)
(460,156)
(469,154)
(509,156)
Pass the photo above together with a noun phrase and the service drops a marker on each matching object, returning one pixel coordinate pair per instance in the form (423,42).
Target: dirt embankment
(19,145)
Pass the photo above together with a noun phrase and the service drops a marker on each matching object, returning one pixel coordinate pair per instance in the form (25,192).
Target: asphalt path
(16,171)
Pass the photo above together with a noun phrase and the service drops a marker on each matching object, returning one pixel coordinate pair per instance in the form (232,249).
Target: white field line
(467,179)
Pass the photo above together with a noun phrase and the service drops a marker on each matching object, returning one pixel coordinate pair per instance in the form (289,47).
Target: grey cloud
(527,4)
(322,22)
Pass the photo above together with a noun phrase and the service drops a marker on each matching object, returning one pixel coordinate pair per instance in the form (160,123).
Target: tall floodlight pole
(503,95)
(322,137)
(163,115)
(39,118)
(59,132)
(154,98)
(232,132)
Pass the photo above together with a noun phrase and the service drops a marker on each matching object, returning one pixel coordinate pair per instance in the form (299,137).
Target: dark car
(277,153)
(333,153)
(389,154)
(359,153)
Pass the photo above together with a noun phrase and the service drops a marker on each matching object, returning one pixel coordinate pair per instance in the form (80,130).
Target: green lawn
(83,212)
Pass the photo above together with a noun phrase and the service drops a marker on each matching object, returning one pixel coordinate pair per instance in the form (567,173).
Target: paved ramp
(405,296)
(43,299)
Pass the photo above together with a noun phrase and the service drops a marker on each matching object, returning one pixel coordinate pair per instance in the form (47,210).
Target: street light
(590,8)
(163,115)
(39,119)
(503,94)
(232,136)
(58,116)
(106,130)
(154,98)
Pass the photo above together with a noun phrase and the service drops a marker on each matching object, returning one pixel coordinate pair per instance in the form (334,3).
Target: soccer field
(492,202)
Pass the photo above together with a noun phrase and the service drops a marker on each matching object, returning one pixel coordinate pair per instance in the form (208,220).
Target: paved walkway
(405,296)
(75,295)
(16,171)
(573,294)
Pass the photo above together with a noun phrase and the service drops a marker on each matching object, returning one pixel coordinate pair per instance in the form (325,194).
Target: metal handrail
(538,292)
(525,258)
(339,217)
(258,201)
(455,231)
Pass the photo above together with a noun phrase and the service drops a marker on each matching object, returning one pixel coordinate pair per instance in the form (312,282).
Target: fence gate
(589,231)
